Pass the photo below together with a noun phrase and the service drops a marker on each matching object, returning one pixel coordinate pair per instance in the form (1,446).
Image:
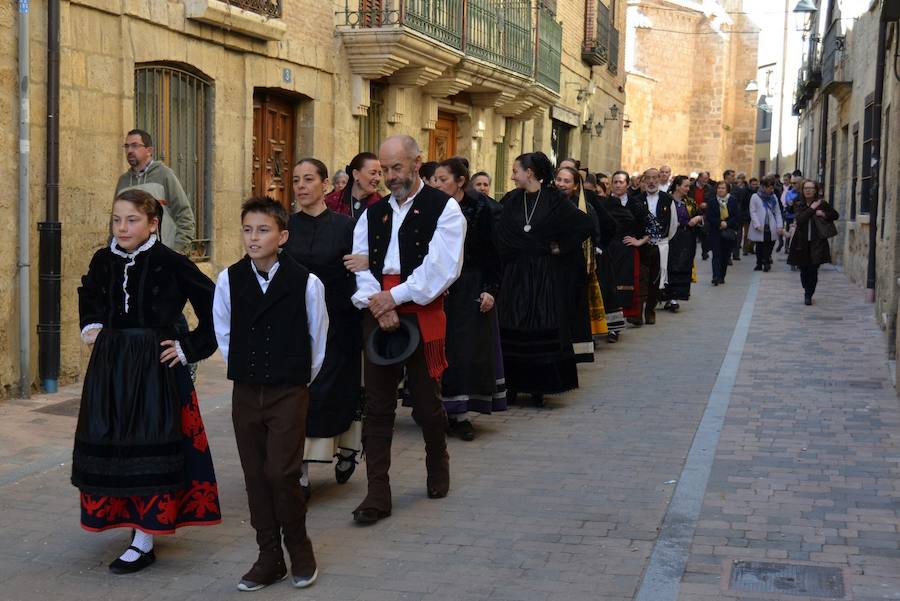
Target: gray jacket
(178,225)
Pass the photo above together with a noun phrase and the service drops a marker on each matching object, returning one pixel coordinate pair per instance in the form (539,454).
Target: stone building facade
(235,91)
(688,66)
(836,99)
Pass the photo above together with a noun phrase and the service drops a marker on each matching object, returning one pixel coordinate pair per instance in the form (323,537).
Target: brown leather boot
(377,504)
(437,462)
(269,567)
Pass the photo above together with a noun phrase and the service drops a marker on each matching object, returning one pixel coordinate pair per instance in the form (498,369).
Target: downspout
(823,135)
(871,276)
(784,52)
(24,263)
(50,230)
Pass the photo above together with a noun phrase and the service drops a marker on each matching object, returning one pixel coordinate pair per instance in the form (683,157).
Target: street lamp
(806,7)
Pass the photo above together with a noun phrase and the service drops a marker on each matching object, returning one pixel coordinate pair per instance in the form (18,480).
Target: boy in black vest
(271,325)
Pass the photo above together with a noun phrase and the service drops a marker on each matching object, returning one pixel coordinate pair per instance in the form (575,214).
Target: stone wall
(691,80)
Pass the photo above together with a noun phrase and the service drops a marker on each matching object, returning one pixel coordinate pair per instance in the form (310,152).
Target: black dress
(534,328)
(470,380)
(141,457)
(625,259)
(319,243)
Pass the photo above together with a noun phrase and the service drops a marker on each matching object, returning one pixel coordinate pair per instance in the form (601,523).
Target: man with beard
(414,239)
(177,228)
(662,223)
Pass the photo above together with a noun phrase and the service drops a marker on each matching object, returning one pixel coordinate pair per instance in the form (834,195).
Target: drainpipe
(871,276)
(24,263)
(50,230)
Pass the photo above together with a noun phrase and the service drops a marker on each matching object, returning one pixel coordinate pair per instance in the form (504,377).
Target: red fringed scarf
(432,324)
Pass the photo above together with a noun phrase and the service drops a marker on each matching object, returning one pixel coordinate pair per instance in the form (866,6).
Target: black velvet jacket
(159,284)
(481,248)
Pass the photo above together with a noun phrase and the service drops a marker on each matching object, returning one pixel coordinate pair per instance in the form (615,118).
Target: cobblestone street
(564,503)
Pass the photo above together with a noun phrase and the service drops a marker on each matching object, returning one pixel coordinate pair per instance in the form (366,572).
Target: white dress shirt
(316,314)
(438,270)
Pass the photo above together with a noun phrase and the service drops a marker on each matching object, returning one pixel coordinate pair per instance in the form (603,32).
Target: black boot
(269,567)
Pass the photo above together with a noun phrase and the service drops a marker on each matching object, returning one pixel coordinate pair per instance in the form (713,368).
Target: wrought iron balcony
(266,8)
(613,64)
(501,33)
(549,50)
(835,76)
(440,20)
(596,43)
(811,71)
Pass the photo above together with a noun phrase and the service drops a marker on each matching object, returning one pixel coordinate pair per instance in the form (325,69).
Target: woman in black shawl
(538,231)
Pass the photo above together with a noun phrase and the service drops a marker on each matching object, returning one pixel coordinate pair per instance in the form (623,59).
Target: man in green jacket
(177,212)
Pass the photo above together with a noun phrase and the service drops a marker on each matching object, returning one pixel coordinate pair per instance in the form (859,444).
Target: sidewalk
(554,504)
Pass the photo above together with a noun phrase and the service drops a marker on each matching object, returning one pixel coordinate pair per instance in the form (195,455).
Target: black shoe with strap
(145,558)
(342,475)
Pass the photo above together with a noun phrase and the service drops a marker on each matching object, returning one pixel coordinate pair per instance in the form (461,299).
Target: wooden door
(442,142)
(273,146)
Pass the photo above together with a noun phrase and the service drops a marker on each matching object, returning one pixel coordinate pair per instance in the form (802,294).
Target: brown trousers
(378,426)
(270,429)
(650,275)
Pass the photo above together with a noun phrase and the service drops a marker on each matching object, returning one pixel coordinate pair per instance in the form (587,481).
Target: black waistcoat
(663,212)
(415,233)
(270,341)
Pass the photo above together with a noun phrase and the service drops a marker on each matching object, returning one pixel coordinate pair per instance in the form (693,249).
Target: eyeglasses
(133,146)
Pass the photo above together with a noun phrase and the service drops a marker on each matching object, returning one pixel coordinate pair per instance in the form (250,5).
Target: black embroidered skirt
(141,456)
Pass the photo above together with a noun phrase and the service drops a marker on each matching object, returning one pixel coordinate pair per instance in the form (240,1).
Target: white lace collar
(114,247)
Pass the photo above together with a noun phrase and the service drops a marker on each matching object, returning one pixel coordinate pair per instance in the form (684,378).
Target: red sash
(432,325)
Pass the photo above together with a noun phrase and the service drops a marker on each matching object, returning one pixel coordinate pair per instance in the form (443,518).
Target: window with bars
(175,106)
(372,123)
(865,199)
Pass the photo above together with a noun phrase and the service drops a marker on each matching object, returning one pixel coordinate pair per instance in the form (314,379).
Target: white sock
(304,475)
(142,541)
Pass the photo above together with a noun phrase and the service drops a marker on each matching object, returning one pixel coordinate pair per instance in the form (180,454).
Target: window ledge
(222,14)
(862,218)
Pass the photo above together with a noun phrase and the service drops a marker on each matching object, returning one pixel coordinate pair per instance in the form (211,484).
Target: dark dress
(721,242)
(625,260)
(580,308)
(470,380)
(604,235)
(682,249)
(319,243)
(141,458)
(807,248)
(534,328)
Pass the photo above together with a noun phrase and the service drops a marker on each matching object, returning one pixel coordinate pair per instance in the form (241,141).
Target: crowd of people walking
(436,293)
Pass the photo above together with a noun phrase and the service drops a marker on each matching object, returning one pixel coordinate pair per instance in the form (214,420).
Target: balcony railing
(596,41)
(501,33)
(811,72)
(833,45)
(438,19)
(549,50)
(613,64)
(266,8)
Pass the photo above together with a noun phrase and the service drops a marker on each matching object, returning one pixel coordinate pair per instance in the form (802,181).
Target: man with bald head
(414,240)
(665,178)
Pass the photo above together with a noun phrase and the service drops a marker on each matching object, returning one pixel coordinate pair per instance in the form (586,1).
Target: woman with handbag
(723,215)
(815,225)
(766,223)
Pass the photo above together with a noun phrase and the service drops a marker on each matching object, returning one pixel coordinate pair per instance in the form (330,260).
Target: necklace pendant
(527,227)
(357,205)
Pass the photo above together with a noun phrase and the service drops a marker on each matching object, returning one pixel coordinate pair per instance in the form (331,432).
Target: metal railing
(441,20)
(267,8)
(833,45)
(549,50)
(500,32)
(596,39)
(613,64)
